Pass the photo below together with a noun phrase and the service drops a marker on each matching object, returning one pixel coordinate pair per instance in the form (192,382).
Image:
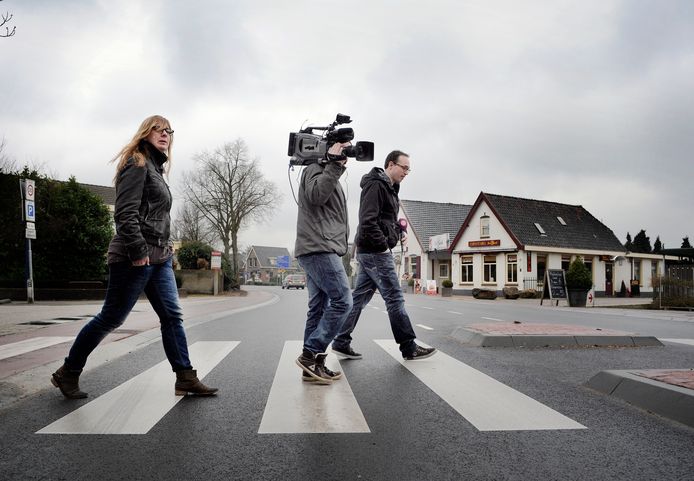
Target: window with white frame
(637,271)
(512,268)
(489,269)
(484,226)
(654,271)
(466,269)
(443,270)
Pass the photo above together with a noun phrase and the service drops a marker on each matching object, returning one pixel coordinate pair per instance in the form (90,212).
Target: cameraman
(322,230)
(378,232)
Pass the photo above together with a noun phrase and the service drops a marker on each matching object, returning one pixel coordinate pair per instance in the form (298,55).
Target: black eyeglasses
(169,131)
(405,168)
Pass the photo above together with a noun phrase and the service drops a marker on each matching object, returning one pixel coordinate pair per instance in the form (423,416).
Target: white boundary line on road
(294,406)
(493,319)
(33,344)
(689,342)
(135,406)
(425,327)
(486,403)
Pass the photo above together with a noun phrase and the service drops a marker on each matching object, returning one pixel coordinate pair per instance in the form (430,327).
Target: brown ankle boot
(187,382)
(68,383)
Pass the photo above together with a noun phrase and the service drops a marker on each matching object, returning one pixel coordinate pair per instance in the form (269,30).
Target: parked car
(294,280)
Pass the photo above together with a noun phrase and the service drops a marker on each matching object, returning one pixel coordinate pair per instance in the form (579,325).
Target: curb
(669,401)
(478,339)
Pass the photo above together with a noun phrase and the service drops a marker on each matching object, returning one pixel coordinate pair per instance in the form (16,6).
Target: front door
(608,279)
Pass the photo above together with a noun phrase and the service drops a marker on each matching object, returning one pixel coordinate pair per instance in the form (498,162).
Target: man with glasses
(378,232)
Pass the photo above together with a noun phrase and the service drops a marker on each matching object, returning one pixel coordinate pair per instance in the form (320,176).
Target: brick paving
(676,377)
(537,329)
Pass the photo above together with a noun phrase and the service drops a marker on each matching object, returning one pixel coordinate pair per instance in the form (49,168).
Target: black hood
(379,174)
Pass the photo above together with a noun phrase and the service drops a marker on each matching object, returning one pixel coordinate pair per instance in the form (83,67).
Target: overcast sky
(579,102)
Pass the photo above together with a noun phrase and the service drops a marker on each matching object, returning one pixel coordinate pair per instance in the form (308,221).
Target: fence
(676,288)
(531,283)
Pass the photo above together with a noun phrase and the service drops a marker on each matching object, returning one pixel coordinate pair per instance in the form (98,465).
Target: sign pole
(27,188)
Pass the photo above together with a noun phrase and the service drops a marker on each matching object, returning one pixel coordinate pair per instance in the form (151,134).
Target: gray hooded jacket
(322,225)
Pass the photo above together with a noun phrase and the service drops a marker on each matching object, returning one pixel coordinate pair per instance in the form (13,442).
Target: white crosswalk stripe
(294,406)
(137,405)
(689,342)
(28,345)
(485,402)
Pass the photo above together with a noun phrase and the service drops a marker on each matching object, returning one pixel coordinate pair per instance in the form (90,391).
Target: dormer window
(561,221)
(540,229)
(484,226)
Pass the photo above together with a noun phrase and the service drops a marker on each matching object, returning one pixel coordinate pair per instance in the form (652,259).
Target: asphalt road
(412,433)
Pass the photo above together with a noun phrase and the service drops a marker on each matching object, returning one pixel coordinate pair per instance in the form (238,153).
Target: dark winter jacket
(143,205)
(322,225)
(378,228)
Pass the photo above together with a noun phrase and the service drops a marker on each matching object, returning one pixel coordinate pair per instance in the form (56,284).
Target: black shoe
(347,353)
(420,353)
(314,366)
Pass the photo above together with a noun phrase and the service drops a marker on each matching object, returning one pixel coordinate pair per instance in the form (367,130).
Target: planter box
(577,297)
(446,291)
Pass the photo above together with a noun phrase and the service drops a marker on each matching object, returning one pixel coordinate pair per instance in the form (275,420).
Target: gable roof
(519,216)
(263,253)
(106,193)
(433,218)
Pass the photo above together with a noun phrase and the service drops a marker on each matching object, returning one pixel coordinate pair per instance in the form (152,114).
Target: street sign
(29,211)
(30,231)
(283,261)
(216,259)
(30,189)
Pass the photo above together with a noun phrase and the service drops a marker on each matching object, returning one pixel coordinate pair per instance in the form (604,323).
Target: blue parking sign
(29,211)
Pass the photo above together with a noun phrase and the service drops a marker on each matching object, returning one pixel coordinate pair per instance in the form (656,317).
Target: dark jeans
(377,271)
(125,284)
(329,299)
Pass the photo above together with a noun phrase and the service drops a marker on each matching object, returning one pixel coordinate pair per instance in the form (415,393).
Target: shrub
(410,281)
(189,253)
(578,276)
(447,283)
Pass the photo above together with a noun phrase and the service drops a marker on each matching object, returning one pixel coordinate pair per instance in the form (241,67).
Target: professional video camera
(307,147)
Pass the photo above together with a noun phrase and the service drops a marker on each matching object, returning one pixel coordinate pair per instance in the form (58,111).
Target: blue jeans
(125,284)
(329,299)
(377,271)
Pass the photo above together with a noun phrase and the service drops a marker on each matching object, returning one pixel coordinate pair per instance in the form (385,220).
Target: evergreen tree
(628,244)
(685,243)
(642,243)
(657,246)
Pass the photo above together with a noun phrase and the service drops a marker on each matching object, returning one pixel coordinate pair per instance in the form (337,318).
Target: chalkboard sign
(554,286)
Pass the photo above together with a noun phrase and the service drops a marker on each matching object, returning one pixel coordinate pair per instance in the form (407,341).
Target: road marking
(137,405)
(294,406)
(28,345)
(689,342)
(485,402)
(493,319)
(428,308)
(425,327)
(455,312)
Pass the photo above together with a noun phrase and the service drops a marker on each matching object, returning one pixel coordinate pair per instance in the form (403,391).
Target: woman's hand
(141,262)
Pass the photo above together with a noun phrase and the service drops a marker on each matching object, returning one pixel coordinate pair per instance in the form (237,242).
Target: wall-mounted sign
(216,260)
(485,243)
(439,242)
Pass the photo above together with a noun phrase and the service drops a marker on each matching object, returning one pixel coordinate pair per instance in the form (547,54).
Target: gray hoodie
(322,225)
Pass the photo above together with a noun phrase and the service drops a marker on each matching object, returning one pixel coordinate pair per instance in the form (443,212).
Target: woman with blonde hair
(139,260)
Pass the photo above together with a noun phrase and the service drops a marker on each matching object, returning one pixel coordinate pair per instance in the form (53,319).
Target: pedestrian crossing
(137,405)
(29,345)
(296,407)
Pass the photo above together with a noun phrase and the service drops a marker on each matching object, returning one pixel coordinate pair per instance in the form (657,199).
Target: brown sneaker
(314,366)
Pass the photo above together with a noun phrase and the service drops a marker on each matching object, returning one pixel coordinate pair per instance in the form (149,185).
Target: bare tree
(230,191)
(5,18)
(7,164)
(190,225)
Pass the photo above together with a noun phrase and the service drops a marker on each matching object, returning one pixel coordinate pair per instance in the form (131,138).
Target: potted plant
(446,288)
(410,285)
(579,281)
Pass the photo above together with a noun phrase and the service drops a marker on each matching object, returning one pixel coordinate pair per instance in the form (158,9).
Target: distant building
(505,241)
(265,264)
